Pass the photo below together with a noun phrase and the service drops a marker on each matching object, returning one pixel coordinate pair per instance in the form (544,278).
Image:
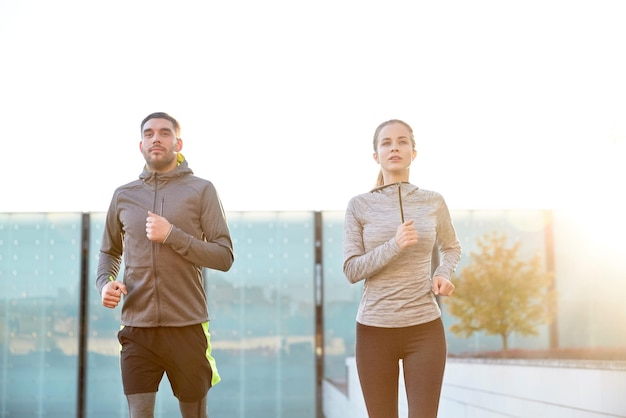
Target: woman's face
(394,148)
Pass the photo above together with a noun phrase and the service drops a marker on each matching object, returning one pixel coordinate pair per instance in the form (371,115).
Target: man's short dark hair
(162,115)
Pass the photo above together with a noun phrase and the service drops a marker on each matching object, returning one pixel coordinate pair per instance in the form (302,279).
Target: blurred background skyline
(514,105)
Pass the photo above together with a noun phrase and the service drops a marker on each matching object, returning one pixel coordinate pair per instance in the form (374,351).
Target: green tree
(500,294)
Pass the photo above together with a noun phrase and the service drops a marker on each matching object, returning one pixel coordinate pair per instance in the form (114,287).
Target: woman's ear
(375,156)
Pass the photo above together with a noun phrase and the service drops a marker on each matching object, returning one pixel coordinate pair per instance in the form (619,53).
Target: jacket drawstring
(400,201)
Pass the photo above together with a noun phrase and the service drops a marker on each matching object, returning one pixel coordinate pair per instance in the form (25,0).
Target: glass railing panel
(263,323)
(39,299)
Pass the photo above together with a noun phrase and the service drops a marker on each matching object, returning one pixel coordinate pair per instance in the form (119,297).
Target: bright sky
(514,104)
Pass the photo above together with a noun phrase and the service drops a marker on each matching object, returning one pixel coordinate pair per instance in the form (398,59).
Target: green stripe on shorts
(216,376)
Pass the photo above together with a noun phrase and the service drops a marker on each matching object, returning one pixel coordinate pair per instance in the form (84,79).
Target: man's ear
(179,144)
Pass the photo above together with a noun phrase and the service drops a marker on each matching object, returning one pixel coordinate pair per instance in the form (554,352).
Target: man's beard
(159,164)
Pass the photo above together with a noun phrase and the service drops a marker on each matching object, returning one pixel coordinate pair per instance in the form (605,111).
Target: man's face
(159,145)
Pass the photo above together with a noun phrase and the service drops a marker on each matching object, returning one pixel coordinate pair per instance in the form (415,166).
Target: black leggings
(422,349)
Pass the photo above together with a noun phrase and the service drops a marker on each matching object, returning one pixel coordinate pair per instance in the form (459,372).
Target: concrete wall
(479,388)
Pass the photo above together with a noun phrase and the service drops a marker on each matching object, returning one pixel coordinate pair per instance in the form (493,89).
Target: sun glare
(598,207)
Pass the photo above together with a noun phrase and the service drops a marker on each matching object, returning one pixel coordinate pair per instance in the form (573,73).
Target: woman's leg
(424,362)
(377,360)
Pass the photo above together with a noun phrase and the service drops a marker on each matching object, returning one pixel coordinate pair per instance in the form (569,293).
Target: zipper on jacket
(154,248)
(154,198)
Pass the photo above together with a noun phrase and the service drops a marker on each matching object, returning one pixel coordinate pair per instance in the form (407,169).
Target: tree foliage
(499,294)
